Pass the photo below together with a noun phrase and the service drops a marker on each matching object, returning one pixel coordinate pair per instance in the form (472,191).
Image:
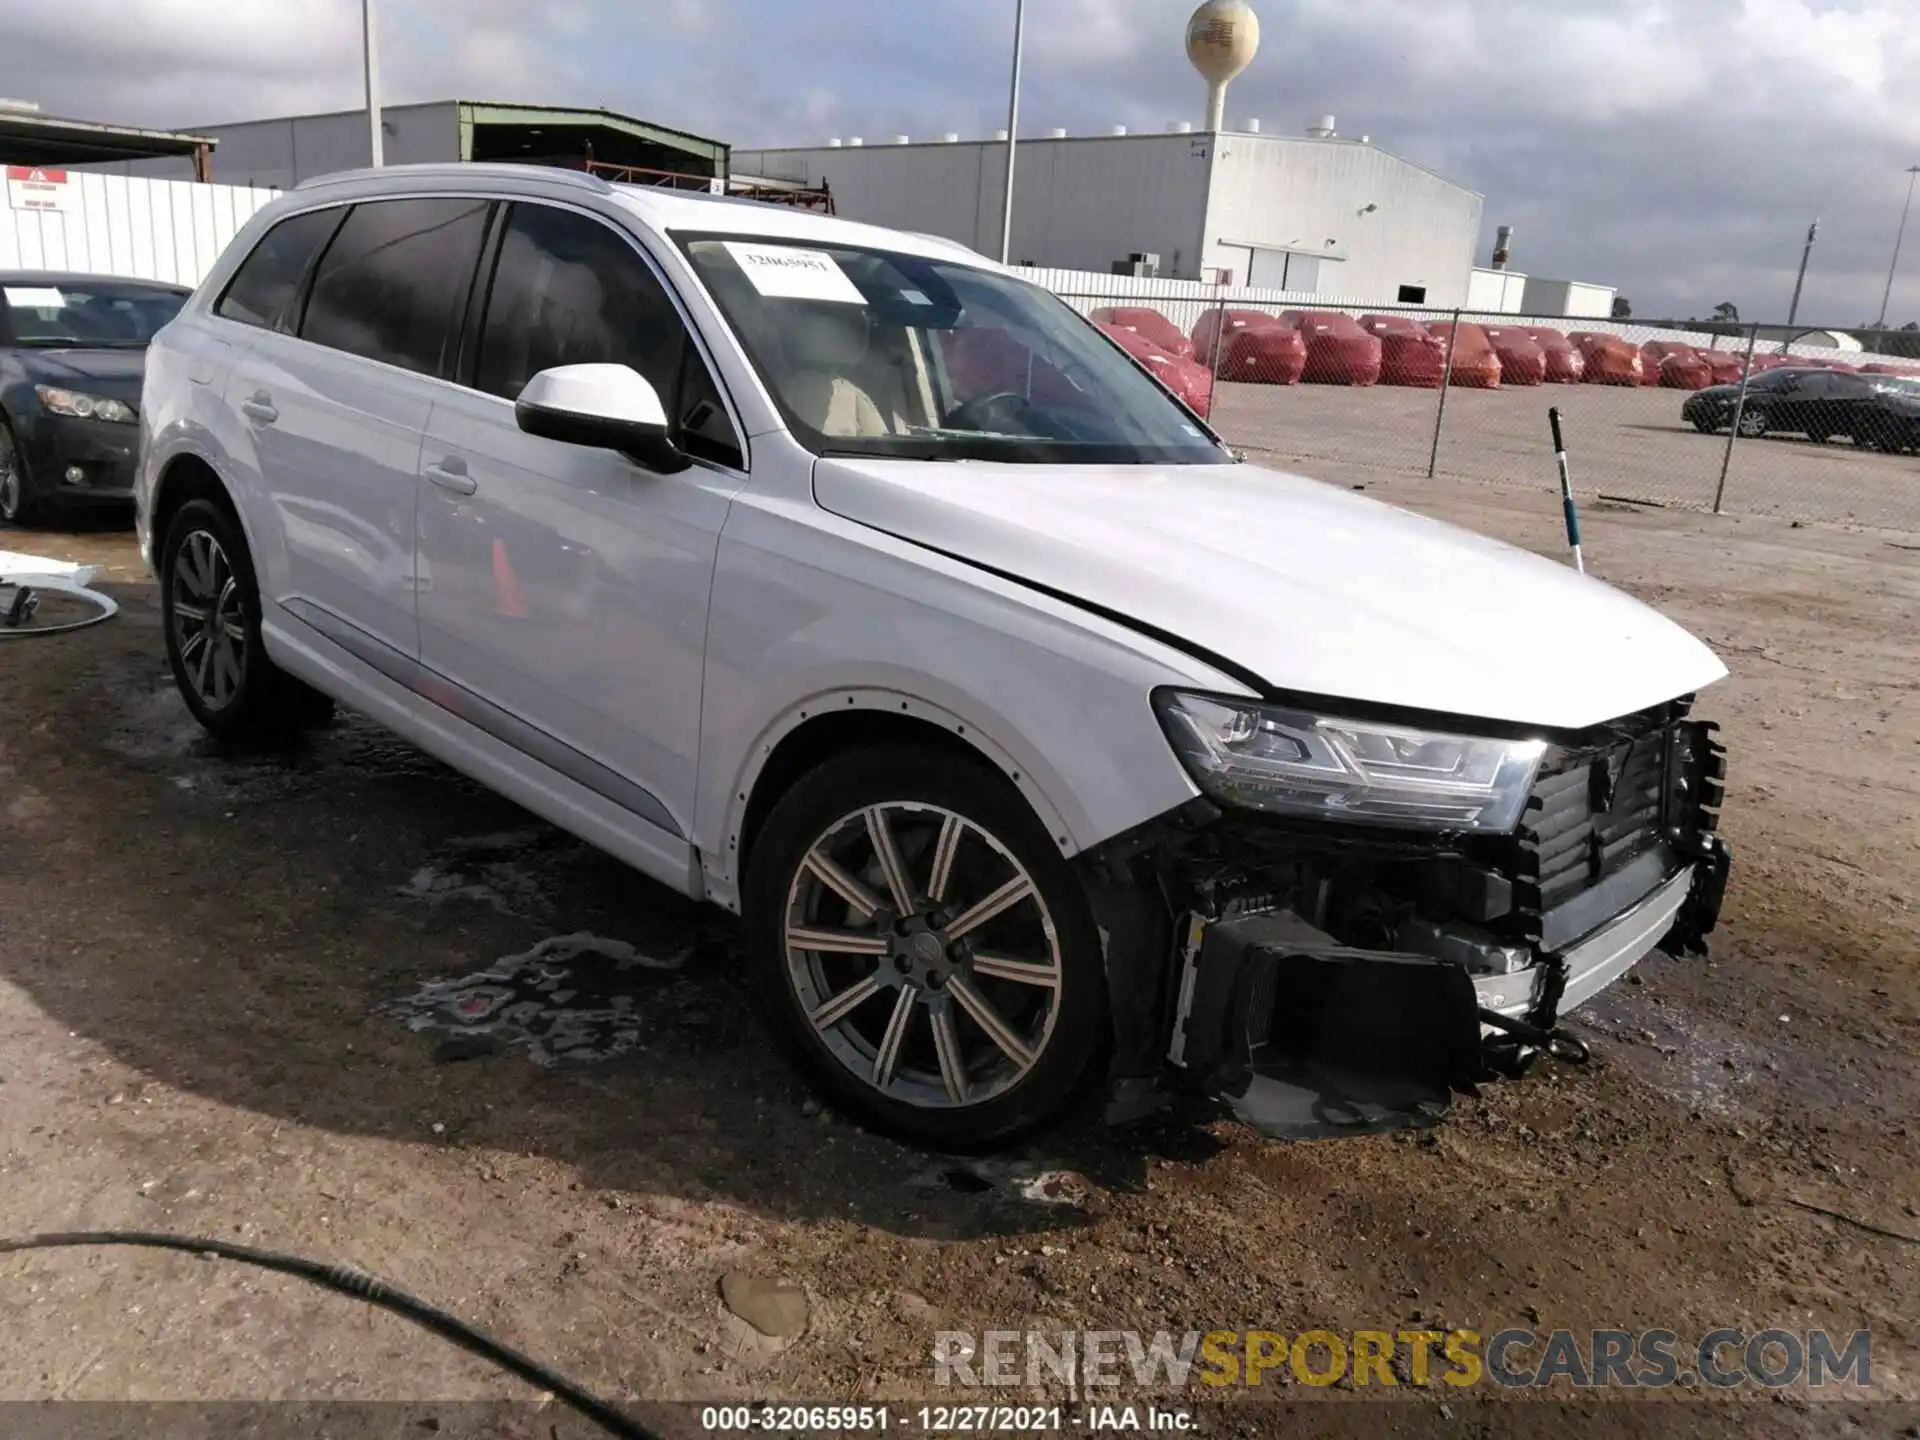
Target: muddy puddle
(1719,1066)
(570,999)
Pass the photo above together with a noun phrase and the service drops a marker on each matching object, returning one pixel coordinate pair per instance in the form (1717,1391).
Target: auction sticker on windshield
(782,272)
(34,297)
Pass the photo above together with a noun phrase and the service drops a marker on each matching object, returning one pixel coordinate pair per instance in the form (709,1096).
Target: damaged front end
(1327,977)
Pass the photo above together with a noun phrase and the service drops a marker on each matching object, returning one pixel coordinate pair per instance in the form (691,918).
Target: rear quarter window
(264,286)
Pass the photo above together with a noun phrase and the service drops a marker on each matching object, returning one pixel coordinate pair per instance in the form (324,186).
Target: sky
(1677,149)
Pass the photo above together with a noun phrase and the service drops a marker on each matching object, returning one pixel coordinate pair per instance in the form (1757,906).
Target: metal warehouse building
(281,153)
(1314,212)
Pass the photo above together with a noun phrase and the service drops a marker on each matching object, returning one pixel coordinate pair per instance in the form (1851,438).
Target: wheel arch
(829,724)
(186,477)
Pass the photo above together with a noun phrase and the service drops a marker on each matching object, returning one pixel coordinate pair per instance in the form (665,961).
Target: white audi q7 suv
(847,580)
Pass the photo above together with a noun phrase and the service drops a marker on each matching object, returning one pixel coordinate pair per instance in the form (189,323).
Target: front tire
(922,949)
(1753,423)
(18,505)
(210,613)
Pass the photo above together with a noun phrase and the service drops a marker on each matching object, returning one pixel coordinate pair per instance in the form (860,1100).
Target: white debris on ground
(16,566)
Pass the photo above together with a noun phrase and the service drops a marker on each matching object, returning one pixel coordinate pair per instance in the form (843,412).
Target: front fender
(811,610)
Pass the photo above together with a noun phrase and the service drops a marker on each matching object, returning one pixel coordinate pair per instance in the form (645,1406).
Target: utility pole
(1013,128)
(1913,173)
(1793,309)
(373,80)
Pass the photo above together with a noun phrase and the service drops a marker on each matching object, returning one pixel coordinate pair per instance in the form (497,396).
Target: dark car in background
(72,352)
(1878,410)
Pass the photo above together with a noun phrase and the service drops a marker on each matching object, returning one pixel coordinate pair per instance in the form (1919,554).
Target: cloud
(1676,148)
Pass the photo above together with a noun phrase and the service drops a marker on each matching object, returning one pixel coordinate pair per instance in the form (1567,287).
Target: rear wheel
(922,948)
(17,506)
(210,611)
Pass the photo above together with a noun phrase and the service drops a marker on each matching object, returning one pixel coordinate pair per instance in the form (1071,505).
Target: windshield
(89,315)
(871,352)
(1907,387)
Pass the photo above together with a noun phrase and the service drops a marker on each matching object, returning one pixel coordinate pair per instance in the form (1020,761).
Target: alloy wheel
(923,955)
(11,484)
(209,620)
(1753,422)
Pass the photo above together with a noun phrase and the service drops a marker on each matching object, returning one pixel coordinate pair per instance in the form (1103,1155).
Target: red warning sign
(35,187)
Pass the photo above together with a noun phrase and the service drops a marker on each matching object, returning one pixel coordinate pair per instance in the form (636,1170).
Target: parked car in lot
(1410,354)
(1565,365)
(1878,410)
(1147,323)
(71,352)
(1020,725)
(1186,377)
(1250,346)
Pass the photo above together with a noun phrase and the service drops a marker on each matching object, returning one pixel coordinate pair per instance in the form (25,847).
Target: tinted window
(270,277)
(568,290)
(393,284)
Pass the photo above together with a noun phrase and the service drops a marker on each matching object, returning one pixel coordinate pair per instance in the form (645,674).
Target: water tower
(1222,36)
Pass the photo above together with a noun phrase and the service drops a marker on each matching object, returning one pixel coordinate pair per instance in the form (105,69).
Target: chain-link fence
(1655,415)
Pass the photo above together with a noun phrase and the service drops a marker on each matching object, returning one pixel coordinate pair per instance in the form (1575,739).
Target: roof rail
(460,170)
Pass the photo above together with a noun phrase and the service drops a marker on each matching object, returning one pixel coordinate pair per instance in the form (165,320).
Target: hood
(113,373)
(1314,589)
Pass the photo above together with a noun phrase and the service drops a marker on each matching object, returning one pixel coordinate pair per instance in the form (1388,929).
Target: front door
(563,589)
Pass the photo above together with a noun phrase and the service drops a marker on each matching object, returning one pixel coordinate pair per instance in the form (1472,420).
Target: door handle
(259,406)
(451,475)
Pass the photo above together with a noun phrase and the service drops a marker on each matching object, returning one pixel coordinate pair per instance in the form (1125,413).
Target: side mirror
(609,407)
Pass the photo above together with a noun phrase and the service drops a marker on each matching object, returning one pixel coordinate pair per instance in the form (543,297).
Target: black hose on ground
(375,1292)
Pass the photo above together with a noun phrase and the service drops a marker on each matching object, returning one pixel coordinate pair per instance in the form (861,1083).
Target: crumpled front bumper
(1306,1038)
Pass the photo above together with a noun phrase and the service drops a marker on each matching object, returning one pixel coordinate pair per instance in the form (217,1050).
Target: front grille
(1612,814)
(1576,833)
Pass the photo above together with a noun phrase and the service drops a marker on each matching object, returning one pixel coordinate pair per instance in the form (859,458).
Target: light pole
(373,80)
(1913,173)
(1013,128)
(1793,307)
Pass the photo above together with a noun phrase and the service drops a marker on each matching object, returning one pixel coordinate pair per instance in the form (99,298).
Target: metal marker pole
(1733,421)
(1446,384)
(1566,491)
(1913,173)
(373,82)
(1013,129)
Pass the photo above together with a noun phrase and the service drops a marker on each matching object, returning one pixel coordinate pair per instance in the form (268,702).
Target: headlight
(1288,762)
(86,407)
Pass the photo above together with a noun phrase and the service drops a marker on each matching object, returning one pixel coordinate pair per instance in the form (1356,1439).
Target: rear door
(1849,399)
(1803,397)
(338,406)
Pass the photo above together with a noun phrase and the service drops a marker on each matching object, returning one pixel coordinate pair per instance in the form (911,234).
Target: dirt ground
(199,956)
(1624,441)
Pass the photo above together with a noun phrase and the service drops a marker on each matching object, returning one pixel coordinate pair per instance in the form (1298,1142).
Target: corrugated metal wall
(282,153)
(1313,195)
(1197,201)
(145,229)
(1081,203)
